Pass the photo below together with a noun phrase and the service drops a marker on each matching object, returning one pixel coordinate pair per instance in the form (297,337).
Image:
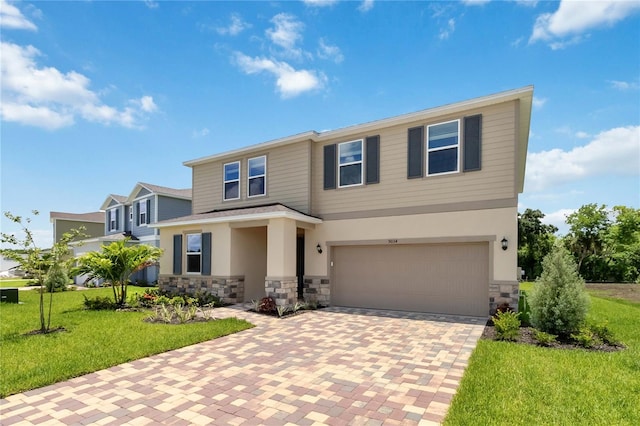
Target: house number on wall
(393,241)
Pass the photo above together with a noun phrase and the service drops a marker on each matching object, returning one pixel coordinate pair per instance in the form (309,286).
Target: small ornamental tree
(559,301)
(35,261)
(56,278)
(115,263)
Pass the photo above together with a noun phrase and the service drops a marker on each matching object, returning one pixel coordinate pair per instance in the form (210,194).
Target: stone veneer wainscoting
(283,290)
(228,289)
(503,292)
(317,289)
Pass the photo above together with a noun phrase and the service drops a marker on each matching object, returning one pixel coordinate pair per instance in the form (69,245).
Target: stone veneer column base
(503,292)
(228,289)
(317,289)
(283,290)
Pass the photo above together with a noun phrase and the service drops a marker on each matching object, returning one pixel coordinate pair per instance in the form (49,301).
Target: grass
(508,383)
(93,340)
(4,283)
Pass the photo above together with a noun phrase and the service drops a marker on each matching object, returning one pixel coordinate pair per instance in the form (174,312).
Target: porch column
(281,282)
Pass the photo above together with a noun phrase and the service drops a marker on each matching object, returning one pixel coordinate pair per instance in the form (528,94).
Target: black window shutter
(177,254)
(117,213)
(148,215)
(206,253)
(136,212)
(472,144)
(415,152)
(330,166)
(373,159)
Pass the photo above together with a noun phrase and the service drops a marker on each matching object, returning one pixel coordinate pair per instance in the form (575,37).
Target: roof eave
(240,218)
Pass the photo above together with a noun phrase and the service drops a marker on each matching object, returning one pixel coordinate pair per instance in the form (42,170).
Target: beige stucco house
(416,212)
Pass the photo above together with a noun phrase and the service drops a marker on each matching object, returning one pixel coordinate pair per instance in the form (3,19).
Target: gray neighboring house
(132,216)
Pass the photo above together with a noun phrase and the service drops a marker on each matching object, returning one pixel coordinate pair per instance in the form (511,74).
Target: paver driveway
(333,366)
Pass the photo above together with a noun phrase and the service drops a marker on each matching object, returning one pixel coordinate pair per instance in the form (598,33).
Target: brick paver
(335,366)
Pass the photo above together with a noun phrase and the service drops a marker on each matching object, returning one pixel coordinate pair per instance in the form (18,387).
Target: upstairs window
(142,212)
(194,252)
(443,145)
(231,181)
(350,163)
(113,220)
(256,176)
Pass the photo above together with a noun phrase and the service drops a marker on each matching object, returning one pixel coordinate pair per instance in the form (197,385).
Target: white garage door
(442,278)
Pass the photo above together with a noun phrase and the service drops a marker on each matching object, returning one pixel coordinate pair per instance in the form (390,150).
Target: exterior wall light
(505,243)
(319,248)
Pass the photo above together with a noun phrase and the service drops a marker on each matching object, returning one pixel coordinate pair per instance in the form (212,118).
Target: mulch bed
(526,337)
(175,321)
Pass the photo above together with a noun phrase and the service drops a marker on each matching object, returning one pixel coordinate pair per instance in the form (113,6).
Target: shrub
(604,333)
(56,278)
(99,303)
(524,308)
(267,305)
(204,298)
(507,325)
(282,310)
(504,307)
(585,338)
(544,339)
(559,301)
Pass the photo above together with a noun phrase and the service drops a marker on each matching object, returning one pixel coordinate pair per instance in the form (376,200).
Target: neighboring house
(132,216)
(64,222)
(416,212)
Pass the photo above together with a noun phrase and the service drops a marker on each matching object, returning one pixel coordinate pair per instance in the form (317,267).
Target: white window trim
(361,162)
(257,176)
(224,181)
(186,252)
(140,204)
(428,151)
(113,218)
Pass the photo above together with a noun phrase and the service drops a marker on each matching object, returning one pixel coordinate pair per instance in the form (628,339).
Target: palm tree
(115,263)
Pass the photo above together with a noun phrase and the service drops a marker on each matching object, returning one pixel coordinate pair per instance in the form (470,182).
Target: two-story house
(62,222)
(416,212)
(132,216)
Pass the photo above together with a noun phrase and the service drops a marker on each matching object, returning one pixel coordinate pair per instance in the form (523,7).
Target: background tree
(588,228)
(623,241)
(535,240)
(37,262)
(115,263)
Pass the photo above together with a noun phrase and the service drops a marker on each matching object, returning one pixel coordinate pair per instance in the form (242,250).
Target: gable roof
(160,190)
(119,199)
(95,217)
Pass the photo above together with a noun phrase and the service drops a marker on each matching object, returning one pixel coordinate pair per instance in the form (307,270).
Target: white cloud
(287,31)
(558,219)
(576,17)
(235,27)
(12,18)
(319,3)
(289,81)
(624,85)
(613,152)
(448,30)
(200,133)
(327,51)
(45,97)
(366,6)
(475,2)
(151,4)
(539,102)
(582,135)
(528,3)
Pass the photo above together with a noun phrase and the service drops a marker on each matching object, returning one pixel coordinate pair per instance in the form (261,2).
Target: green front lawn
(515,384)
(93,340)
(4,283)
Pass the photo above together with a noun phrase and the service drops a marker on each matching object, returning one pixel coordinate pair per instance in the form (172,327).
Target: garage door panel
(446,278)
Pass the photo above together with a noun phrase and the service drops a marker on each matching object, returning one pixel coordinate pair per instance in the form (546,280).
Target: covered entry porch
(238,254)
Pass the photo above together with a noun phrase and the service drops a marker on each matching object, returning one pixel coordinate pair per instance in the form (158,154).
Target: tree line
(605,243)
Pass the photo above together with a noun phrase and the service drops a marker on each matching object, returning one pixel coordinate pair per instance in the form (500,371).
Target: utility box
(9,295)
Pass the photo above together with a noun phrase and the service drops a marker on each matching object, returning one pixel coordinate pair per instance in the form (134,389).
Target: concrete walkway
(334,366)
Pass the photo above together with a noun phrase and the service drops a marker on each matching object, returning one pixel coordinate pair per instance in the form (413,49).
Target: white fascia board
(256,216)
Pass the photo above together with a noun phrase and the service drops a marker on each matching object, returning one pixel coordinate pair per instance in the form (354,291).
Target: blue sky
(97,96)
